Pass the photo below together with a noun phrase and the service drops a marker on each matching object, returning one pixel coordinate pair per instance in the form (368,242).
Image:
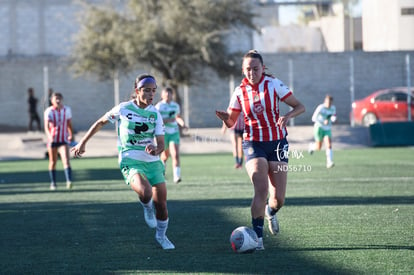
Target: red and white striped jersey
(57,121)
(260,106)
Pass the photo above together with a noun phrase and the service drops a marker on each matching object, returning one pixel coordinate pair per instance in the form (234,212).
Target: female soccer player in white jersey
(170,112)
(59,132)
(265,145)
(323,116)
(139,124)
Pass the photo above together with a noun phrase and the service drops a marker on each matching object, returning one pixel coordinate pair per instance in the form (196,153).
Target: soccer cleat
(177,174)
(53,186)
(273,223)
(149,216)
(310,148)
(330,164)
(260,245)
(69,185)
(165,243)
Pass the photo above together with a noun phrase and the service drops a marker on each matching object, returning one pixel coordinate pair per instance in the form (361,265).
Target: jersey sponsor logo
(139,142)
(142,119)
(140,127)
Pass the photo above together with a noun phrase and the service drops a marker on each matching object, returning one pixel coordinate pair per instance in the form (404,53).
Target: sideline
(32,145)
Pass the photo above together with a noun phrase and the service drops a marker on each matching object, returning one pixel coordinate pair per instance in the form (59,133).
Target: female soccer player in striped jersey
(265,145)
(59,132)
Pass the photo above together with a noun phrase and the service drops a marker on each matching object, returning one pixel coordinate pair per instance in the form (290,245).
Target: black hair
(141,77)
(57,94)
(169,90)
(257,55)
(254,54)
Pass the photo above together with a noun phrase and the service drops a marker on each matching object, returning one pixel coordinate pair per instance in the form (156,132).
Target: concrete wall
(384,26)
(312,76)
(38,34)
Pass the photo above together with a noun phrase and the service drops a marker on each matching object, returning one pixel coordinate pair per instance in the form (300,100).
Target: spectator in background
(59,132)
(33,115)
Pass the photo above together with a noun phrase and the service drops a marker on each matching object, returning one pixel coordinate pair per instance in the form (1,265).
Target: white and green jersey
(169,110)
(322,114)
(137,128)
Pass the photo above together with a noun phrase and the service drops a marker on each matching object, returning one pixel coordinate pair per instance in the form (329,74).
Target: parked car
(382,106)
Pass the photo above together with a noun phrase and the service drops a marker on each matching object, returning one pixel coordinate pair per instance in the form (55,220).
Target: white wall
(291,38)
(384,28)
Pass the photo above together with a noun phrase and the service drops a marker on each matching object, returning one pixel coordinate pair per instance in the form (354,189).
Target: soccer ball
(243,240)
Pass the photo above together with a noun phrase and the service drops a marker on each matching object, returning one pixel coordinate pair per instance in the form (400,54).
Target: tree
(98,47)
(175,37)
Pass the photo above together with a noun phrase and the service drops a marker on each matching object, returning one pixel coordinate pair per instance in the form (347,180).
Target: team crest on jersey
(258,108)
(151,118)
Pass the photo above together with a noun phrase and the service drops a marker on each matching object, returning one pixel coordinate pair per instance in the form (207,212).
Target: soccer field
(357,218)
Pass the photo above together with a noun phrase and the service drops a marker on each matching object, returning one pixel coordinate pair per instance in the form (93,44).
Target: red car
(382,106)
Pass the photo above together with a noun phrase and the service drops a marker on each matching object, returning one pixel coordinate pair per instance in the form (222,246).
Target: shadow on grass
(360,247)
(78,175)
(80,238)
(321,201)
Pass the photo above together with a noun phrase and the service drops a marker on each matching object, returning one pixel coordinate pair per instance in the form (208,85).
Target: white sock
(147,205)
(177,172)
(161,228)
(311,147)
(329,155)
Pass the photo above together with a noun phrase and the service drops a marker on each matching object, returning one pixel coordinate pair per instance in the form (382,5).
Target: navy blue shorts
(238,133)
(277,150)
(57,144)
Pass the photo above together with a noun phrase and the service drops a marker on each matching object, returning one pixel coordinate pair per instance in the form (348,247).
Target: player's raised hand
(223,115)
(78,150)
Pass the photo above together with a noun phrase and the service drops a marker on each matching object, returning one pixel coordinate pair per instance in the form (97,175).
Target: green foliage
(175,37)
(98,48)
(353,219)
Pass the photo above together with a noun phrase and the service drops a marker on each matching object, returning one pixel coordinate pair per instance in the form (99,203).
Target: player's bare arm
(156,149)
(70,130)
(229,118)
(297,109)
(180,121)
